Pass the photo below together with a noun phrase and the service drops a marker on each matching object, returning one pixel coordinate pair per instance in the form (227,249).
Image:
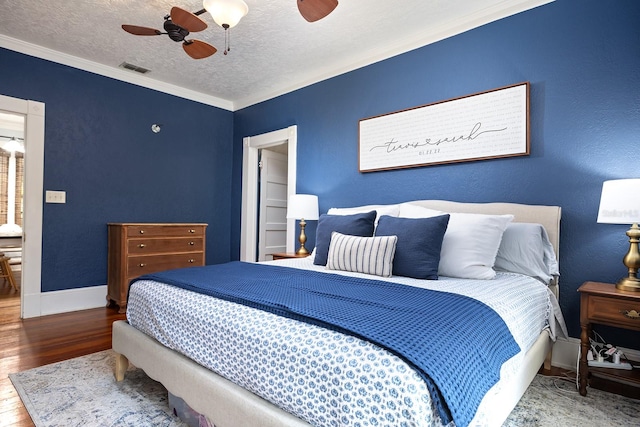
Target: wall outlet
(55,196)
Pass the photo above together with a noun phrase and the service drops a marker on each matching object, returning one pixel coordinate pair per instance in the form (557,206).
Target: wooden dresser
(141,248)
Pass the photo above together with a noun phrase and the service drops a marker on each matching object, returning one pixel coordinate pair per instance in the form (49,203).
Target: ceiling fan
(314,10)
(180,23)
(177,26)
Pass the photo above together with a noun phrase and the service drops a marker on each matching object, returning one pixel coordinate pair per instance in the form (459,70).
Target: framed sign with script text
(485,125)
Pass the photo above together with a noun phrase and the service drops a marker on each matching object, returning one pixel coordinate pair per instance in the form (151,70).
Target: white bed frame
(228,405)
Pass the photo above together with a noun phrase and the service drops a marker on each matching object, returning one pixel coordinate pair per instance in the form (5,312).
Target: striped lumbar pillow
(370,255)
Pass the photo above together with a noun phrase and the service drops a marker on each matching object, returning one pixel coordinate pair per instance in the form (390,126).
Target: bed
(245,401)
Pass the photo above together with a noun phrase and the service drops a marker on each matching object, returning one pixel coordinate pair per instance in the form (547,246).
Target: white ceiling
(274,50)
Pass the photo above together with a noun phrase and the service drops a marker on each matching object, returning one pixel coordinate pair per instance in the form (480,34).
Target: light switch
(56,196)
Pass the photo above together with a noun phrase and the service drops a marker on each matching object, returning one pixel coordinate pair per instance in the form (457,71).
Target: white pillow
(369,255)
(391,210)
(526,249)
(470,243)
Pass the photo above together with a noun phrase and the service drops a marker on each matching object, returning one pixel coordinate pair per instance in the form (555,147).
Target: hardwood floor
(28,343)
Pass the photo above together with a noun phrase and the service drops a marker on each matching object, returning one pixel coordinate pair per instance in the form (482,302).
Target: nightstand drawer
(616,312)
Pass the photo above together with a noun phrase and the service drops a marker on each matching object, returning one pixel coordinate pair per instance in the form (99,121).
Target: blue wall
(582,59)
(99,148)
(580,56)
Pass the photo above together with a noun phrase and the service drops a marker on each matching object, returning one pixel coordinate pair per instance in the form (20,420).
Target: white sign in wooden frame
(485,125)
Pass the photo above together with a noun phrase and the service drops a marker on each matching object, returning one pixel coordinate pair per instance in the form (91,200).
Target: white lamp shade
(620,202)
(303,206)
(226,12)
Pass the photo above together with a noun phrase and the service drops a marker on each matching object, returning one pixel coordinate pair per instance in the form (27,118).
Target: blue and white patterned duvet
(321,376)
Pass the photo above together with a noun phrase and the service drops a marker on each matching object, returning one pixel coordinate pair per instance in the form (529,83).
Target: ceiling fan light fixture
(14,145)
(226,13)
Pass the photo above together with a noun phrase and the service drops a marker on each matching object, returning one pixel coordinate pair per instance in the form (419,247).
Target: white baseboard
(66,300)
(565,353)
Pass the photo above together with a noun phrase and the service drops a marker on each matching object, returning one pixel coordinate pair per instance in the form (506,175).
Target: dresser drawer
(151,230)
(138,265)
(615,312)
(158,245)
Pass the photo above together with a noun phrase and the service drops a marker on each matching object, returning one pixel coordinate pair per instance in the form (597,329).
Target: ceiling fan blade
(198,49)
(141,31)
(314,10)
(187,20)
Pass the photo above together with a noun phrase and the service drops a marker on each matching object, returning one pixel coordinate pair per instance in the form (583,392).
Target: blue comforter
(457,344)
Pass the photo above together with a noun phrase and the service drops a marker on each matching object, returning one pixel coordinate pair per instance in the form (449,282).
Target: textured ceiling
(274,50)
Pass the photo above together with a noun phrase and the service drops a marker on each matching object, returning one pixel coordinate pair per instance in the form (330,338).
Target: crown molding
(398,47)
(436,33)
(112,72)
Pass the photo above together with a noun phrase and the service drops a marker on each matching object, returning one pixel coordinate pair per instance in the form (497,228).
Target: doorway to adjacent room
(12,148)
(249,233)
(29,116)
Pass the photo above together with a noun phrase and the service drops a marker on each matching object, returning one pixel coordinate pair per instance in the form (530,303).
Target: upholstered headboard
(548,216)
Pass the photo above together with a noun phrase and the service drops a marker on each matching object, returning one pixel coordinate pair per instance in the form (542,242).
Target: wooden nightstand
(286,255)
(604,304)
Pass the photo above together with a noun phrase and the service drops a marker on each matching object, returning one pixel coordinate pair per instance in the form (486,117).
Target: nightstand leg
(584,365)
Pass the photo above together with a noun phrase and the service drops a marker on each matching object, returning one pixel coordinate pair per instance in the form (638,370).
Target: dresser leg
(584,365)
(110,302)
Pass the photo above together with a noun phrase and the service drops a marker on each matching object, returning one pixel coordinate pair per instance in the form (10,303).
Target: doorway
(31,263)
(250,190)
(11,211)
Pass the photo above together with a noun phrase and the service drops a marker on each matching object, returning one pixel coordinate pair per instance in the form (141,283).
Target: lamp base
(629,284)
(302,239)
(302,251)
(632,261)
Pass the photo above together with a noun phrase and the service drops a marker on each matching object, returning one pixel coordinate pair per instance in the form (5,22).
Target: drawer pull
(142,264)
(191,261)
(192,243)
(192,231)
(631,314)
(141,231)
(142,245)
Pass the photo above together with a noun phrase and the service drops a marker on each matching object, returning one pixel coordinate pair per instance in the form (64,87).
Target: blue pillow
(419,244)
(354,225)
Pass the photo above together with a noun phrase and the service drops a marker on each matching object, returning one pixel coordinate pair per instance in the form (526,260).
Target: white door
(272,236)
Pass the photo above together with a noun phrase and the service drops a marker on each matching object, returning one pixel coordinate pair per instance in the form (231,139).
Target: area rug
(83,392)
(552,401)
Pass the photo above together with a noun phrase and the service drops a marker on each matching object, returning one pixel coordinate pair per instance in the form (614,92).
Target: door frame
(31,286)
(249,214)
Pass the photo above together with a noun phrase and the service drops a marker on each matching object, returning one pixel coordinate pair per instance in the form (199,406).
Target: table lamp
(302,207)
(620,204)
